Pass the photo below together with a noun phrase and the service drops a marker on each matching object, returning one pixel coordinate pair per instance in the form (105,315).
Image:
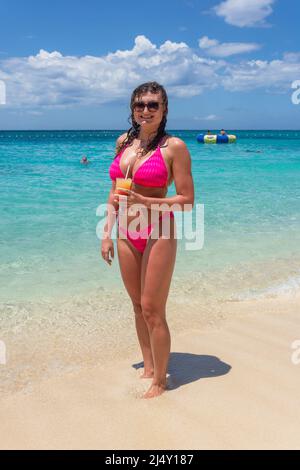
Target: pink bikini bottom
(139,239)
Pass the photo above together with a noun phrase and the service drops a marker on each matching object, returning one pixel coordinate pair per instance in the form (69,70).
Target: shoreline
(49,337)
(232,385)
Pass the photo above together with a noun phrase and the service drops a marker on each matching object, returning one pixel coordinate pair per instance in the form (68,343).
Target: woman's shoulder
(119,142)
(121,138)
(175,142)
(176,146)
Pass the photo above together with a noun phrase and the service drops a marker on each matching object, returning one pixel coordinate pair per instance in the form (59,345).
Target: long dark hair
(133,132)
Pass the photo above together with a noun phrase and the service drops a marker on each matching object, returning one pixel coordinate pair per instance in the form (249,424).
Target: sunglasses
(152,106)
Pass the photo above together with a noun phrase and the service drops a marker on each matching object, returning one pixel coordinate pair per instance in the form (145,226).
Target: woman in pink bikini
(147,256)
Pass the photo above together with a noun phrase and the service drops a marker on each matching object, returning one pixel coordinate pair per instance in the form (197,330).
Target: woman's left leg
(156,274)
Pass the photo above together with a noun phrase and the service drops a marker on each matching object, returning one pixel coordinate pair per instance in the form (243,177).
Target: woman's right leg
(130,261)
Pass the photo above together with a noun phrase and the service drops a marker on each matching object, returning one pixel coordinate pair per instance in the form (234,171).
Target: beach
(232,385)
(197,116)
(70,378)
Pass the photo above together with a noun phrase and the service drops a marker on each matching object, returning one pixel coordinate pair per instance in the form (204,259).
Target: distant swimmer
(253,151)
(223,132)
(84,160)
(208,132)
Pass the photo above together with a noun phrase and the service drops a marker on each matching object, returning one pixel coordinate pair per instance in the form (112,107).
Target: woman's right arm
(107,248)
(112,208)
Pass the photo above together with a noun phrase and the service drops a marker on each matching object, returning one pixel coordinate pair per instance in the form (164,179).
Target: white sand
(233,386)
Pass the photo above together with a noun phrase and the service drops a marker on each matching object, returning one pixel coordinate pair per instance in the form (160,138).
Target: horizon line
(119,130)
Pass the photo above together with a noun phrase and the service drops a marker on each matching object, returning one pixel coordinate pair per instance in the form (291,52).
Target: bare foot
(155,391)
(148,374)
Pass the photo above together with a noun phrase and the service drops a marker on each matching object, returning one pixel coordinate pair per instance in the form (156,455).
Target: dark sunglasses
(152,106)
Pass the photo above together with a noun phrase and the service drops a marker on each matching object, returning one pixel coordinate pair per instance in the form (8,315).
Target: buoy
(216,138)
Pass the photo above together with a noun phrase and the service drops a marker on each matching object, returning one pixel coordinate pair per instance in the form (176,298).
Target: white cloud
(206,43)
(274,74)
(210,117)
(244,12)
(35,113)
(51,79)
(216,49)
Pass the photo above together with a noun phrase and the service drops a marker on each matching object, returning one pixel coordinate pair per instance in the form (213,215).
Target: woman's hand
(131,198)
(107,250)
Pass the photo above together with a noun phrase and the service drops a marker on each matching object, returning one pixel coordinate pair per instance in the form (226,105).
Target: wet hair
(133,132)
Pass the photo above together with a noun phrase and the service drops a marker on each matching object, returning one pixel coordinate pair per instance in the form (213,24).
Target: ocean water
(58,297)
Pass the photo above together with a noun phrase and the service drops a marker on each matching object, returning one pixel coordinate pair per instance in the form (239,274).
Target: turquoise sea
(61,305)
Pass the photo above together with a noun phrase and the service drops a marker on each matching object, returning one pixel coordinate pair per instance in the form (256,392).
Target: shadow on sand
(185,368)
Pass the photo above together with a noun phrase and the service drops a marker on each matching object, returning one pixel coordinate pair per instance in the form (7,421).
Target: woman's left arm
(183,180)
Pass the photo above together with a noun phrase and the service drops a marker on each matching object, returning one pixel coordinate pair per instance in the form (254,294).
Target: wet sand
(232,385)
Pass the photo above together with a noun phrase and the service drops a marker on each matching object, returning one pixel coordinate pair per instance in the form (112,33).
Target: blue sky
(224,63)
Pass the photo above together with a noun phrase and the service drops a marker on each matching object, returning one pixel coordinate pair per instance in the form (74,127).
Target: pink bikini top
(152,172)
